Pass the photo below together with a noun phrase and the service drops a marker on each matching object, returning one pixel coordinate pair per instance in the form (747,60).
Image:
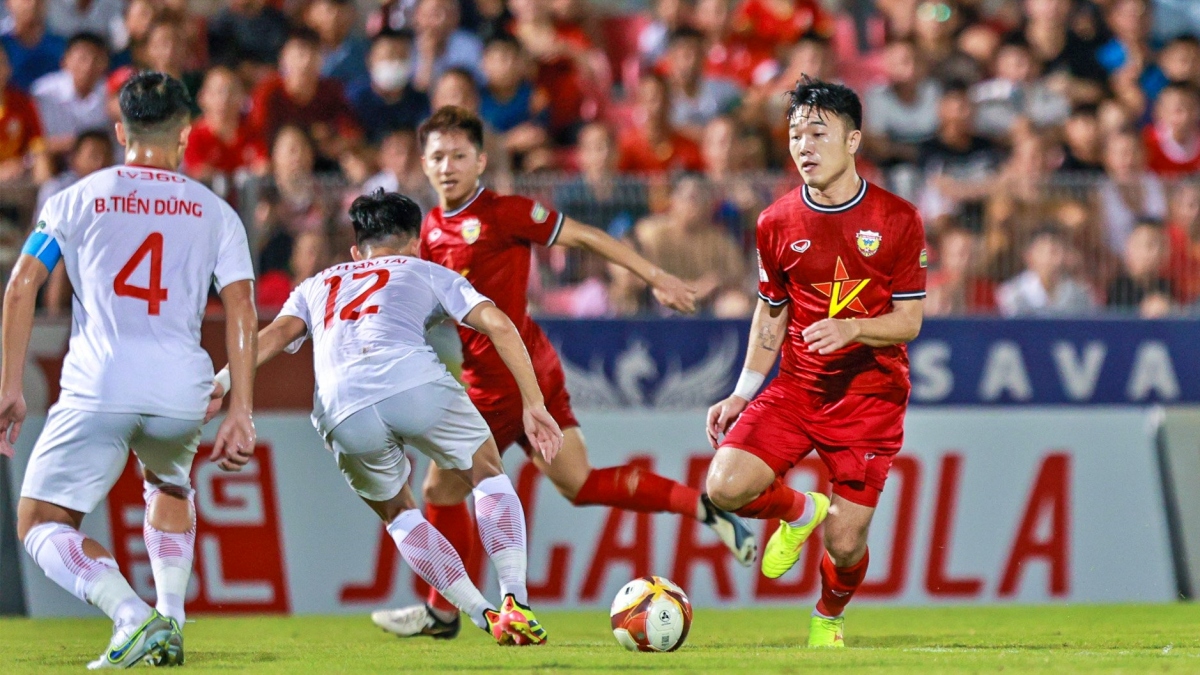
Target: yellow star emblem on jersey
(843,291)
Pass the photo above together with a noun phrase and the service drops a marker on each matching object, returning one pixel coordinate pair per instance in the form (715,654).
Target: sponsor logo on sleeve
(762,273)
(539,213)
(924,258)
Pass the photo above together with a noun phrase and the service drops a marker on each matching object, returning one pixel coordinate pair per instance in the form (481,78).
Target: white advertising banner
(982,506)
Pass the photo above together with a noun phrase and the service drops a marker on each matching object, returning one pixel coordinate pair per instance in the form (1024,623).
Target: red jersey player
(841,283)
(488,238)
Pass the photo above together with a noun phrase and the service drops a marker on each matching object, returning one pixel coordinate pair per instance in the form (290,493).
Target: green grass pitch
(1059,639)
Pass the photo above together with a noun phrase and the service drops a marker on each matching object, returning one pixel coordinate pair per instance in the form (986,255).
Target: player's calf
(170,533)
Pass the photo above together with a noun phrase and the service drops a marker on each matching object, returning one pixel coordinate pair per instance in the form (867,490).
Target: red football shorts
(856,436)
(501,406)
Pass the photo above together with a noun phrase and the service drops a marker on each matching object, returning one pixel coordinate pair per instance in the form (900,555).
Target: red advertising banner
(239,551)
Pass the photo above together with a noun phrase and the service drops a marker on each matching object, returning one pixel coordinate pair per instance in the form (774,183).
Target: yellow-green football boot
(824,632)
(783,549)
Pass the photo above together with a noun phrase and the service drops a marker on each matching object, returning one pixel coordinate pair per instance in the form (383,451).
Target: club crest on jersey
(868,242)
(539,214)
(41,225)
(471,228)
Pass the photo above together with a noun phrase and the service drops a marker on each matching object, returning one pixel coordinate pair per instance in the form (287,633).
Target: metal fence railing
(1010,244)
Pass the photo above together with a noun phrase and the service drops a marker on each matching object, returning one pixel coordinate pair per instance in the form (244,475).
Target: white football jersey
(367,320)
(142,247)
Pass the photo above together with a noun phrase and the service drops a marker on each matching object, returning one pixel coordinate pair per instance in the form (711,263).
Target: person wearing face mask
(386,99)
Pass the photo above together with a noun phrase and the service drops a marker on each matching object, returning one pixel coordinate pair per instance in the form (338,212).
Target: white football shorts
(436,418)
(81,454)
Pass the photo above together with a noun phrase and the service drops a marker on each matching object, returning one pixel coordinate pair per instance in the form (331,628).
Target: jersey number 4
(154,294)
(354,310)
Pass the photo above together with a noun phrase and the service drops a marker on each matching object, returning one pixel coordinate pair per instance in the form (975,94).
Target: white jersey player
(141,245)
(380,387)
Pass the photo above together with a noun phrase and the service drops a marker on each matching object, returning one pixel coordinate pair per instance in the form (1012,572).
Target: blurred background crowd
(1052,146)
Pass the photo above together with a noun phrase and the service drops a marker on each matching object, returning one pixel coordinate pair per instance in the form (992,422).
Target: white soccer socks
(502,528)
(433,558)
(171,556)
(58,550)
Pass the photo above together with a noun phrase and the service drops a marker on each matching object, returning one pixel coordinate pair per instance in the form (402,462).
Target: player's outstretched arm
(668,289)
(235,439)
(540,427)
(899,326)
(20,300)
(767,331)
(272,340)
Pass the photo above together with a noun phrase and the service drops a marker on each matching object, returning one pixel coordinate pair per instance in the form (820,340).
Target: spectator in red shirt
(652,145)
(568,65)
(775,23)
(743,60)
(221,141)
(1183,241)
(21,142)
(300,96)
(1172,140)
(956,285)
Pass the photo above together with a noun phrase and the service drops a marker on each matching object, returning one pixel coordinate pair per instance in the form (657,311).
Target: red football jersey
(206,150)
(847,261)
(488,240)
(1167,158)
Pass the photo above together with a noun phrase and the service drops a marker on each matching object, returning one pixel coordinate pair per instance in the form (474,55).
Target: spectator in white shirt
(99,17)
(72,100)
(1045,287)
(695,98)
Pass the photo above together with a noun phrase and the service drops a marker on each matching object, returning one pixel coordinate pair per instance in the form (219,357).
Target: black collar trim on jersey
(455,212)
(837,208)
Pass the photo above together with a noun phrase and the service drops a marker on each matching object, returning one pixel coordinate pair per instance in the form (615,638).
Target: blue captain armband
(43,247)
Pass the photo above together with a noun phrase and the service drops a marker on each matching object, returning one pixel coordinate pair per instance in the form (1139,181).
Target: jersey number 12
(354,310)
(154,294)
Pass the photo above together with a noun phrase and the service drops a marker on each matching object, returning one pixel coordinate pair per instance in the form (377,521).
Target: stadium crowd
(1049,144)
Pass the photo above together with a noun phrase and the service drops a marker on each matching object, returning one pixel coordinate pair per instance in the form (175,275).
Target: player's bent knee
(845,545)
(730,485)
(33,512)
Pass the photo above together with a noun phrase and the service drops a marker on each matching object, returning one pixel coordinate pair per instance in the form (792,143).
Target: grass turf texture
(1123,638)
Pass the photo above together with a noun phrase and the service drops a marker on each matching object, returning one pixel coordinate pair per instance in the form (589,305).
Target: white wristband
(222,378)
(748,384)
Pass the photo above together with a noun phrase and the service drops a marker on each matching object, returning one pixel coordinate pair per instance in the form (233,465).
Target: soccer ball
(651,614)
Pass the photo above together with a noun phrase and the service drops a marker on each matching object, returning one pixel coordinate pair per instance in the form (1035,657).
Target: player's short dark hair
(1150,221)
(1185,39)
(826,97)
(403,35)
(1085,110)
(304,36)
(1047,231)
(98,135)
(957,87)
(382,214)
(88,38)
(1185,88)
(502,39)
(453,118)
(684,33)
(154,104)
